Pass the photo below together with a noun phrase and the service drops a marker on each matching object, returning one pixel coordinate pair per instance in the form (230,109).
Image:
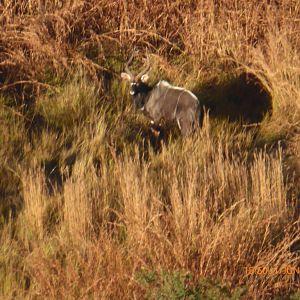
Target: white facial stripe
(132,84)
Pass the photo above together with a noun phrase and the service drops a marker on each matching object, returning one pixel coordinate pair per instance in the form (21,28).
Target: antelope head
(138,83)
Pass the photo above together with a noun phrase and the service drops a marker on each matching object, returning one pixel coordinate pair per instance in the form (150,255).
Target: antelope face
(138,90)
(138,84)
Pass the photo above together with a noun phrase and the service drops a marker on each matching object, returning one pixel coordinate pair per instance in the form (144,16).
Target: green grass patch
(179,285)
(73,103)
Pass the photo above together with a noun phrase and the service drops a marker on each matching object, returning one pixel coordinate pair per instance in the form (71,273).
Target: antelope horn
(127,67)
(145,69)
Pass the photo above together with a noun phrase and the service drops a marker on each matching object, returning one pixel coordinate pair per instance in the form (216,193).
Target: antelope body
(164,101)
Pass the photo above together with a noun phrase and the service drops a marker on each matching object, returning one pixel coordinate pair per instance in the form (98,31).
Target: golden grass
(34,207)
(203,210)
(106,209)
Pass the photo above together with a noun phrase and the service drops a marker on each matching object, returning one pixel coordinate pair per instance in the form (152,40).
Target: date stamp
(266,271)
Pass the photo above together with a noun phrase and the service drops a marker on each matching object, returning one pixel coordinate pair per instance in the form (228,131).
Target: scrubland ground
(94,205)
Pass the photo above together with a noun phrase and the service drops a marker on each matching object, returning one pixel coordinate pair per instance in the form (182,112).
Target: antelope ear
(125,76)
(145,78)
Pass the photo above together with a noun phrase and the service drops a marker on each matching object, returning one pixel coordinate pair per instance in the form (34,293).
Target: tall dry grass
(93,205)
(202,209)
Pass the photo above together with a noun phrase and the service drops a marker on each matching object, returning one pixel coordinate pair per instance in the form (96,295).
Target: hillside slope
(93,204)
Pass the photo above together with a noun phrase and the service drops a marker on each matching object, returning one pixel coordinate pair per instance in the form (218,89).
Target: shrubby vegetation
(94,204)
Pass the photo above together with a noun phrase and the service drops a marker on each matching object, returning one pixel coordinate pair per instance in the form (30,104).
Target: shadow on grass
(243,99)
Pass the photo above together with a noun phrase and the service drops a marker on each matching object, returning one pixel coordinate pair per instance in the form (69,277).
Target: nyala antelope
(163,101)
